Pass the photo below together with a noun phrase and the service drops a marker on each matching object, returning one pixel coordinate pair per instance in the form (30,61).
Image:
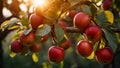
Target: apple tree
(65,33)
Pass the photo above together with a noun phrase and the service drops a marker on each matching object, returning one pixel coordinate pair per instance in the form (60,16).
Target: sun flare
(39,2)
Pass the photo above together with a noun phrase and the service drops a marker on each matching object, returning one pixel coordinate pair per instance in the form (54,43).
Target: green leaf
(59,32)
(25,21)
(111,38)
(96,1)
(101,17)
(12,54)
(93,9)
(43,30)
(35,57)
(27,31)
(102,20)
(9,23)
(86,9)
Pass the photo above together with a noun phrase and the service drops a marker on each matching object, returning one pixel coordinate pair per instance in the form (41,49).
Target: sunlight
(39,2)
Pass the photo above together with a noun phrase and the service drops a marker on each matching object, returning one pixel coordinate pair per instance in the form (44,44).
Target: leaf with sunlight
(35,57)
(12,54)
(109,16)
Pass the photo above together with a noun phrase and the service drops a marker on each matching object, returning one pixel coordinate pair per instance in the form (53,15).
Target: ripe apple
(107,4)
(104,55)
(38,10)
(56,54)
(84,48)
(72,13)
(93,33)
(27,40)
(81,20)
(65,45)
(16,46)
(35,48)
(36,20)
(45,38)
(62,24)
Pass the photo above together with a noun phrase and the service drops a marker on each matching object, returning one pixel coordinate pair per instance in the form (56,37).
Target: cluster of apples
(56,53)
(93,34)
(28,41)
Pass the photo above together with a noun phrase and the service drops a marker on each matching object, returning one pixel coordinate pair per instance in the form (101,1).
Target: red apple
(16,46)
(35,48)
(27,40)
(56,54)
(104,55)
(65,45)
(45,38)
(93,33)
(81,20)
(62,24)
(84,48)
(72,13)
(107,4)
(36,20)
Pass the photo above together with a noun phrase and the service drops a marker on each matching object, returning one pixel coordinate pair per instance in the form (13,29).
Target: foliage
(52,12)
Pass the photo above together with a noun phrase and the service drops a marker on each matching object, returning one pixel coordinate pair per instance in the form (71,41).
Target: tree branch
(76,30)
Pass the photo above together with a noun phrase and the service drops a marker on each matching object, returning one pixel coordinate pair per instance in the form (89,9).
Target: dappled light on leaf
(35,57)
(91,56)
(12,54)
(109,16)
(43,30)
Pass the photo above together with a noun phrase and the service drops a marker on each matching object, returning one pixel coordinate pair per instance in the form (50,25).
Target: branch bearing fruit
(16,46)
(35,48)
(93,33)
(104,55)
(84,48)
(56,54)
(27,40)
(81,20)
(36,20)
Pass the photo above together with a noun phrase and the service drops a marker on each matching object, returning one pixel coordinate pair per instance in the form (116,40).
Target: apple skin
(84,48)
(27,40)
(104,55)
(45,38)
(56,54)
(72,13)
(65,45)
(93,33)
(81,20)
(36,20)
(107,4)
(35,48)
(62,24)
(16,46)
